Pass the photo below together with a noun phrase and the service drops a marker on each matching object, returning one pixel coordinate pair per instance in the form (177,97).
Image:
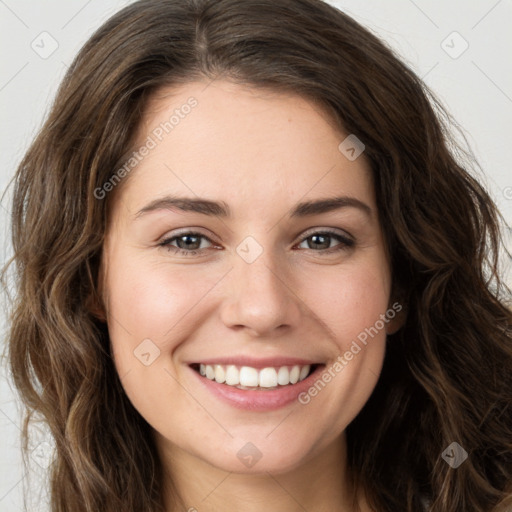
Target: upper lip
(265,362)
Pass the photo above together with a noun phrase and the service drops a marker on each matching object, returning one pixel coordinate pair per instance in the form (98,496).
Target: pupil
(187,238)
(315,237)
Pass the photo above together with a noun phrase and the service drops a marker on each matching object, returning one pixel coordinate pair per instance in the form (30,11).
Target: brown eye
(320,241)
(187,243)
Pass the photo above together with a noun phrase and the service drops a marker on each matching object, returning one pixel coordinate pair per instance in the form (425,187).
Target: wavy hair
(447,372)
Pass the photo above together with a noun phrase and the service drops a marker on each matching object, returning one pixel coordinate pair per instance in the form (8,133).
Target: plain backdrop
(458,47)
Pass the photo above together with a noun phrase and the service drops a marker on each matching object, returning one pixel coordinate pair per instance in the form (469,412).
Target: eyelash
(346,243)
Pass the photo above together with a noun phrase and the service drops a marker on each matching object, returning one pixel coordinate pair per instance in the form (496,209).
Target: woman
(188,342)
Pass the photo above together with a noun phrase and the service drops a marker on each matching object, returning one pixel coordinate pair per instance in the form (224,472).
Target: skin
(261,153)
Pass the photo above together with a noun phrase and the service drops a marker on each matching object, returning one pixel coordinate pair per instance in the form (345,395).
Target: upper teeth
(251,377)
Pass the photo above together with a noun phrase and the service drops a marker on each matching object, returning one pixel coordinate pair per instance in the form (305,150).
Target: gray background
(39,41)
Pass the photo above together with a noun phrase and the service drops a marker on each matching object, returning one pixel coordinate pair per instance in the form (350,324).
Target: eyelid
(299,238)
(185,231)
(165,241)
(327,230)
(346,241)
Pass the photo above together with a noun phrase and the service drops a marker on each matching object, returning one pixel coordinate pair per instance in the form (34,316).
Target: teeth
(210,372)
(232,376)
(303,372)
(247,377)
(294,374)
(283,376)
(268,378)
(220,374)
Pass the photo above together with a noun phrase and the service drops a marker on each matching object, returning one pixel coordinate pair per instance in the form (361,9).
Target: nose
(259,297)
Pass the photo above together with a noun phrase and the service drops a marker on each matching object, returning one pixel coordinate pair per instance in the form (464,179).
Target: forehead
(244,145)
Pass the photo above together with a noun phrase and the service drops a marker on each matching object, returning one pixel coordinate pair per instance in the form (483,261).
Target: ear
(397,315)
(94,301)
(94,305)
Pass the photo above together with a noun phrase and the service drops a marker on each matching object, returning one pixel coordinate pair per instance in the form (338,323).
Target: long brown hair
(447,372)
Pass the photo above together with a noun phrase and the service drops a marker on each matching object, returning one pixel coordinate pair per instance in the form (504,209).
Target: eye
(322,240)
(189,243)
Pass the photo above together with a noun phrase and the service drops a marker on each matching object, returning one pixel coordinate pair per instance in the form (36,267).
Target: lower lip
(255,400)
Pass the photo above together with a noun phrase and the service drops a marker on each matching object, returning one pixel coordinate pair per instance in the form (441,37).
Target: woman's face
(221,251)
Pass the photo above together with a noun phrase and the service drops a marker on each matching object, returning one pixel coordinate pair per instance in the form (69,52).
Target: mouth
(256,385)
(249,378)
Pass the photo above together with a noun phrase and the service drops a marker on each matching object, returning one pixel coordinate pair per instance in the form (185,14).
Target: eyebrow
(221,209)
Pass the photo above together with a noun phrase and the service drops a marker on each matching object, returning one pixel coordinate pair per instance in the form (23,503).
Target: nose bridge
(260,298)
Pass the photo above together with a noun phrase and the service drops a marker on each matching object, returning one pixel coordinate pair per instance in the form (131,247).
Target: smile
(256,385)
(249,378)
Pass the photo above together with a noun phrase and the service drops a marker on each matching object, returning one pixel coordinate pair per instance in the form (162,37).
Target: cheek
(153,309)
(350,299)
(350,302)
(146,300)
(150,309)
